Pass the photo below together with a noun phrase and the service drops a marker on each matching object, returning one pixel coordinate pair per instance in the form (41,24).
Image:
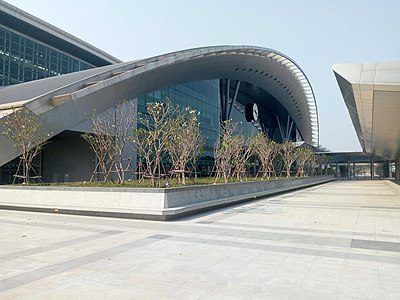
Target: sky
(316,34)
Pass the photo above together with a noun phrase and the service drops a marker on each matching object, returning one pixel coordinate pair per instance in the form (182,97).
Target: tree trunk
(121,170)
(183,177)
(26,171)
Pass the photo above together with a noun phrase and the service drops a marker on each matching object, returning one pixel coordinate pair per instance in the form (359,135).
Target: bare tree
(278,162)
(266,151)
(102,143)
(303,156)
(124,117)
(111,132)
(241,153)
(152,135)
(322,163)
(224,150)
(313,164)
(185,142)
(24,128)
(287,150)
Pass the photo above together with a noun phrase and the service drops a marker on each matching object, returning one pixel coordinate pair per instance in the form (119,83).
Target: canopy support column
(227,102)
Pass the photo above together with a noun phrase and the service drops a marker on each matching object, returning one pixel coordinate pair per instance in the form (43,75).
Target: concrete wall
(161,204)
(193,195)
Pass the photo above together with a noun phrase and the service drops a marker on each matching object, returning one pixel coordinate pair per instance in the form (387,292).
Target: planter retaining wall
(144,203)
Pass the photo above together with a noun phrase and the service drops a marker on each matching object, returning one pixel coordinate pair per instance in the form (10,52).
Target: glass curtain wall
(202,96)
(23,59)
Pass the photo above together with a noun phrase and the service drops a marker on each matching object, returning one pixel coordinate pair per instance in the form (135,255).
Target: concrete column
(397,171)
(385,169)
(348,170)
(371,169)
(337,170)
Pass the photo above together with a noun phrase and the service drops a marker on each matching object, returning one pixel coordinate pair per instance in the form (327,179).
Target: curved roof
(69,99)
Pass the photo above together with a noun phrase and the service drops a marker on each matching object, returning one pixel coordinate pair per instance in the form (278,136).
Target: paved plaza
(339,240)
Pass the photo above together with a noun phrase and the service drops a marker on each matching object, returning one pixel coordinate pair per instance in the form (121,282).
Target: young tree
(224,150)
(322,162)
(303,156)
(102,143)
(124,117)
(152,135)
(266,151)
(278,161)
(185,142)
(111,132)
(241,153)
(24,128)
(288,153)
(313,164)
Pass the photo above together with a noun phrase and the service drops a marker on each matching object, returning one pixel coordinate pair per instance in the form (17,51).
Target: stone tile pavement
(335,241)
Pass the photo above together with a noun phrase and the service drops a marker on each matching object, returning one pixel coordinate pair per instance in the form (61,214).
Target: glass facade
(202,96)
(23,59)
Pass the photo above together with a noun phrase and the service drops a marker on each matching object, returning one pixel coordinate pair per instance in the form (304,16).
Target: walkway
(338,240)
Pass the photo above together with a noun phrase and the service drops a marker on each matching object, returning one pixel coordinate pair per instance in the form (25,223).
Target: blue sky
(315,34)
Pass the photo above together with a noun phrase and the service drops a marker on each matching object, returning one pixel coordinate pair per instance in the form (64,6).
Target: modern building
(262,88)
(371,92)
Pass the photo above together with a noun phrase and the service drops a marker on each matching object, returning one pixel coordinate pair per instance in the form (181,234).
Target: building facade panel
(375,89)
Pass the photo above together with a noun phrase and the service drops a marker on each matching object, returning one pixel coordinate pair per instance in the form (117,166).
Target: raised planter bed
(144,203)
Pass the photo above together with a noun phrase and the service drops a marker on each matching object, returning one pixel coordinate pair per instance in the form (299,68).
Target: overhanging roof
(371,92)
(67,100)
(352,157)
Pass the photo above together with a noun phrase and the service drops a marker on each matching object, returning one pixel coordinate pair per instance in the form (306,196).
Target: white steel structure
(371,92)
(67,100)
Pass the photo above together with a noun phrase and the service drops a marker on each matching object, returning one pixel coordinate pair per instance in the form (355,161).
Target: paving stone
(334,241)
